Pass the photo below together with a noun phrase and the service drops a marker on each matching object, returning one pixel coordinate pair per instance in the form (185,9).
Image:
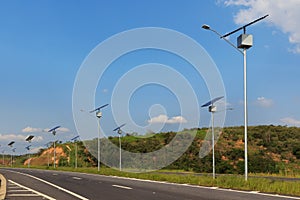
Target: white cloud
(29,129)
(284,14)
(167,120)
(264,102)
(290,121)
(10,137)
(35,149)
(63,129)
(38,138)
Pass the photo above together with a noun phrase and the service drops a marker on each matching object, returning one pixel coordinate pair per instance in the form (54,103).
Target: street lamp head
(118,129)
(206,27)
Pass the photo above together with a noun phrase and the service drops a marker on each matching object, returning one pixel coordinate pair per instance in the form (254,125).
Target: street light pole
(54,153)
(245,115)
(212,109)
(75,142)
(3,157)
(12,156)
(53,131)
(99,144)
(119,131)
(99,115)
(75,155)
(28,139)
(244,42)
(213,142)
(28,149)
(120,153)
(48,157)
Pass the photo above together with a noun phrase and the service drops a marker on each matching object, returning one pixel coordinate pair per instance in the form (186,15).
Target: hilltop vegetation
(272,149)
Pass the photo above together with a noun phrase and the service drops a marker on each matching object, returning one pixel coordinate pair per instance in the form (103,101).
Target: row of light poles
(244,42)
(29,139)
(11,145)
(119,131)
(13,151)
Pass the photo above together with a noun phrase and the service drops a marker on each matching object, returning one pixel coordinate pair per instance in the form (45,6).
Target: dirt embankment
(47,156)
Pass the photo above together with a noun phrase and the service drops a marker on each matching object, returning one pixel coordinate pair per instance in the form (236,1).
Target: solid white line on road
(53,185)
(17,190)
(31,190)
(76,178)
(22,195)
(123,187)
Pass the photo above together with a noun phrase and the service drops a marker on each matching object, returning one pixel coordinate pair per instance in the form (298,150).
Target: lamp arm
(226,40)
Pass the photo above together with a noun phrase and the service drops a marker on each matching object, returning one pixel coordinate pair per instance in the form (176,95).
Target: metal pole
(54,154)
(11,160)
(28,159)
(120,165)
(48,156)
(213,143)
(245,115)
(99,148)
(76,155)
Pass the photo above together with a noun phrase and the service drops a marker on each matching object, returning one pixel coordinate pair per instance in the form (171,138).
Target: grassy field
(224,181)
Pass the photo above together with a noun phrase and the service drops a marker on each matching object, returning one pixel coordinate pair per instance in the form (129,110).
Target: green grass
(225,181)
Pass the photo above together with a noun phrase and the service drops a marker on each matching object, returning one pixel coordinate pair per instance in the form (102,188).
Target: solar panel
(212,101)
(99,108)
(11,143)
(53,129)
(29,138)
(74,138)
(118,128)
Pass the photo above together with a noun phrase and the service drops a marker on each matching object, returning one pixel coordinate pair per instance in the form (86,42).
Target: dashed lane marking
(123,187)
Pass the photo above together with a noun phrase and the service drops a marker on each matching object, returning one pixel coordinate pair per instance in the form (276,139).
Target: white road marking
(53,185)
(23,195)
(17,190)
(12,187)
(76,178)
(29,189)
(123,187)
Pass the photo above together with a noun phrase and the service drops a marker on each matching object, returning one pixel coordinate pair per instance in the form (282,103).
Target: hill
(271,149)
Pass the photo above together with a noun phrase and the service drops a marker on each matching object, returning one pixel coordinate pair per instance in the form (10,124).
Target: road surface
(30,184)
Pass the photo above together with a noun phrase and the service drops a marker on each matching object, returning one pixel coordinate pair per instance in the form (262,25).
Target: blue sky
(44,43)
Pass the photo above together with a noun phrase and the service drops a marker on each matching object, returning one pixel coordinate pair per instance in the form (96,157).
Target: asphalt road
(41,184)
